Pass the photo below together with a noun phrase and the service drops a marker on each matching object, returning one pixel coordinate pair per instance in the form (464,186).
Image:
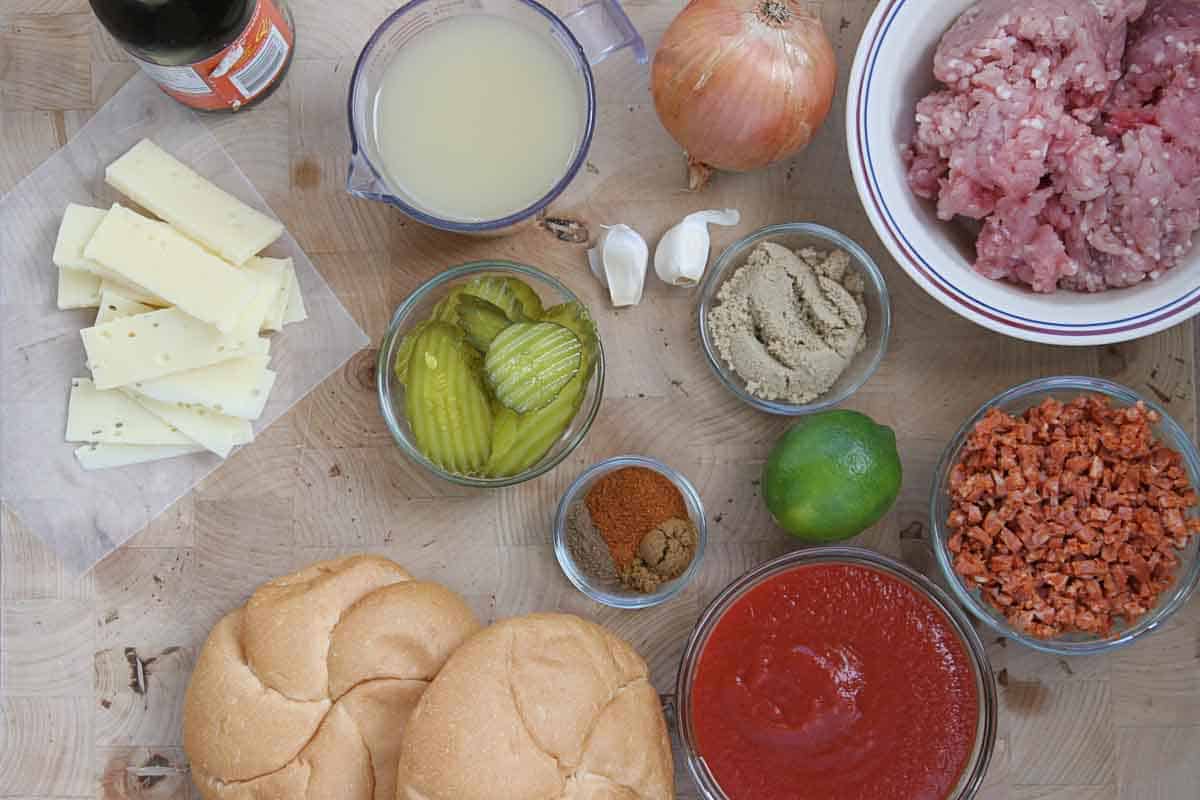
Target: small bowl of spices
(794,318)
(630,532)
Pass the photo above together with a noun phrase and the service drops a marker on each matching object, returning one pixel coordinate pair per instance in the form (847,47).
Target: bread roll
(305,692)
(537,708)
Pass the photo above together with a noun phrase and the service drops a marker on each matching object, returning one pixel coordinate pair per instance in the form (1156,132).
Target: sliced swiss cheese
(161,183)
(284,273)
(160,259)
(216,432)
(79,223)
(136,293)
(77,289)
(115,305)
(95,415)
(296,311)
(162,342)
(254,316)
(238,387)
(99,455)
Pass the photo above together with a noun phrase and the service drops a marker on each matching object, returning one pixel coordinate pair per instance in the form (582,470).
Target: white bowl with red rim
(892,70)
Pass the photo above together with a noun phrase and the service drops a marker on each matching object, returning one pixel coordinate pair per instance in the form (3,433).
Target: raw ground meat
(1068,128)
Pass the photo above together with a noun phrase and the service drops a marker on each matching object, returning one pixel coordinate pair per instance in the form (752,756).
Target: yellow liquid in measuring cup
(478,117)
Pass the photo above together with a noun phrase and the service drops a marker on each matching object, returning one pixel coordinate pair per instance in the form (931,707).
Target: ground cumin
(627,504)
(588,547)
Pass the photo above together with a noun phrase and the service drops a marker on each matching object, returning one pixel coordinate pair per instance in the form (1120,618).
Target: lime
(832,476)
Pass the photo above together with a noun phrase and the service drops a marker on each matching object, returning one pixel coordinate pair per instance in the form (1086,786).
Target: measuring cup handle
(602,28)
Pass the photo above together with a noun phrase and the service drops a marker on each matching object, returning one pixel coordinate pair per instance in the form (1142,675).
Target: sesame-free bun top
(305,691)
(542,707)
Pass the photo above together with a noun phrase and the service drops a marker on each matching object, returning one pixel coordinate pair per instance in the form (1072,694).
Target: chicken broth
(478,117)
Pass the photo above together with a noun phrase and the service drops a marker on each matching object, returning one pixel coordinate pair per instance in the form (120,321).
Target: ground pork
(1067,128)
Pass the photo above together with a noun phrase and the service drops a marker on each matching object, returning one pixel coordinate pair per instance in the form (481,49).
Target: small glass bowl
(417,308)
(795,235)
(614,594)
(973,774)
(1015,401)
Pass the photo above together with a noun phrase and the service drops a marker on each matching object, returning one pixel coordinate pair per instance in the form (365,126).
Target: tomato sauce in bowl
(821,678)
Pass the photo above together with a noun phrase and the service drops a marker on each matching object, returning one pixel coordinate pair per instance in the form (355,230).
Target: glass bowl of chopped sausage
(1064,515)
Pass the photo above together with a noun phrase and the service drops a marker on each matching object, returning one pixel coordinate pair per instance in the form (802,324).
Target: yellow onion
(742,83)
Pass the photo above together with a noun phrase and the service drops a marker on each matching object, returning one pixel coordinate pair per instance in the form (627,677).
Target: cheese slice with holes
(77,289)
(283,272)
(237,388)
(95,415)
(162,342)
(115,305)
(79,223)
(160,259)
(98,455)
(162,184)
(216,432)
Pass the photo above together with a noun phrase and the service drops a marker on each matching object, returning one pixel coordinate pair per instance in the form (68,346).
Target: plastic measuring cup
(586,37)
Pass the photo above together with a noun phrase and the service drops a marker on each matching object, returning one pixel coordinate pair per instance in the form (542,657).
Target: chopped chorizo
(1069,517)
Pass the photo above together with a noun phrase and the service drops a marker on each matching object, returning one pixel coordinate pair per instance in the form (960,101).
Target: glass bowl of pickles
(490,374)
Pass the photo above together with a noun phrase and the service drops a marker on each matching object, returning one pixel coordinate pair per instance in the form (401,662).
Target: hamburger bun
(304,692)
(539,707)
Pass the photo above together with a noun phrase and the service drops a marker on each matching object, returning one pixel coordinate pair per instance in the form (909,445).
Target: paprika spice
(627,504)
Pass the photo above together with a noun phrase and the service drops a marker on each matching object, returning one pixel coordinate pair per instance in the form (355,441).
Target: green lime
(832,476)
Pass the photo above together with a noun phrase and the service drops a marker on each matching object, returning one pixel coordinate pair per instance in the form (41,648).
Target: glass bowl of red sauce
(836,672)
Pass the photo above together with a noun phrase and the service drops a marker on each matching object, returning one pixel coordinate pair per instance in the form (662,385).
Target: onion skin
(740,84)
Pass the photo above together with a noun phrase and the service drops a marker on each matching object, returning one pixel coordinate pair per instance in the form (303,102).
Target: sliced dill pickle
(518,300)
(405,352)
(575,317)
(447,406)
(529,363)
(531,304)
(481,320)
(521,440)
(506,428)
(446,309)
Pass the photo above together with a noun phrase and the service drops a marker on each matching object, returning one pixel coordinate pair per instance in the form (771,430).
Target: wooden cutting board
(92,669)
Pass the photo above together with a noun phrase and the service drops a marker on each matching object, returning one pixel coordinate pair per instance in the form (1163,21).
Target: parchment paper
(81,515)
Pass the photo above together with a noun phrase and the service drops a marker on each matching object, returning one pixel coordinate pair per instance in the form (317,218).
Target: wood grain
(1158,763)
(29,138)
(1162,687)
(1061,732)
(92,669)
(1064,793)
(46,746)
(58,665)
(45,61)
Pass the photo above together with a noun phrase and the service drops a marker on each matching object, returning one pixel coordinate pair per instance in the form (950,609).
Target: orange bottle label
(237,74)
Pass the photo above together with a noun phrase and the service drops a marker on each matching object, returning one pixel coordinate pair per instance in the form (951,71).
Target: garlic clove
(682,253)
(596,263)
(619,262)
